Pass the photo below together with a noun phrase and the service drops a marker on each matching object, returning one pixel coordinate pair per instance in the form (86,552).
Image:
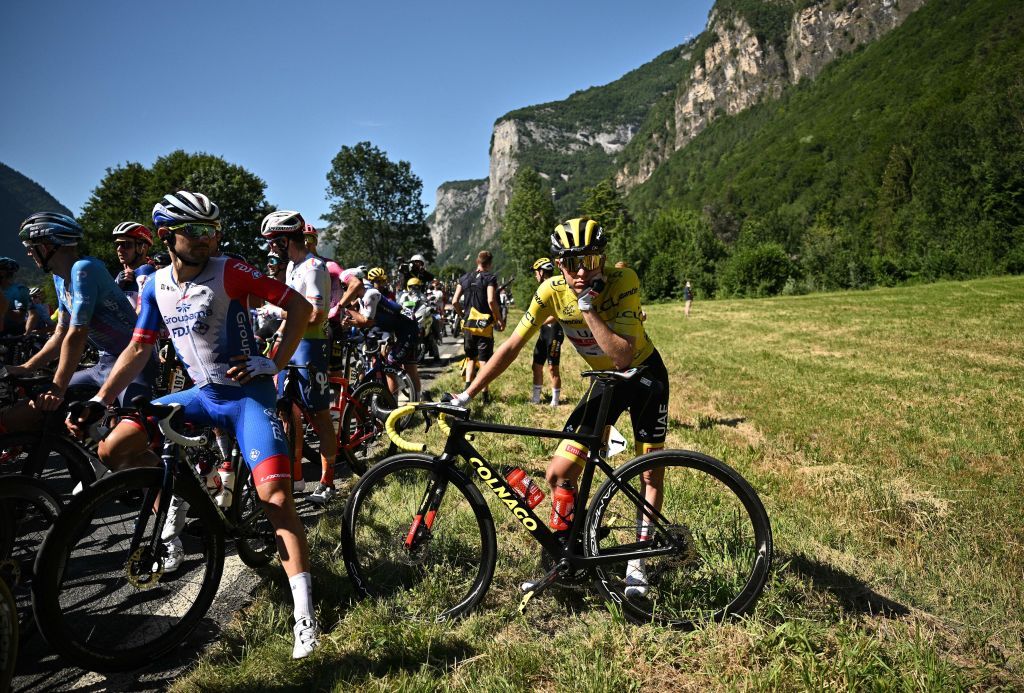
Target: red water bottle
(563,502)
(524,486)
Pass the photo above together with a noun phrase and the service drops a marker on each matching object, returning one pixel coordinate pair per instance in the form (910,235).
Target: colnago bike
(418,533)
(101,597)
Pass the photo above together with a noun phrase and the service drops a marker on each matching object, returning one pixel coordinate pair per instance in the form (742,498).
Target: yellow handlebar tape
(389,427)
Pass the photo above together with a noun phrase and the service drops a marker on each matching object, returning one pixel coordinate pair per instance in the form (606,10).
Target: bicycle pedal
(549,579)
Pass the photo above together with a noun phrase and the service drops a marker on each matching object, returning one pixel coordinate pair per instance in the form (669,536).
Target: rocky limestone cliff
(739,69)
(511,137)
(457,213)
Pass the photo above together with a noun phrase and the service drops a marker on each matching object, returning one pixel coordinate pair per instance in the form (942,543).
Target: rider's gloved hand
(83,416)
(586,300)
(249,367)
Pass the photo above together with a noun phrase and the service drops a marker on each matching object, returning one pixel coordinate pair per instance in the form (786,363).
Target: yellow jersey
(618,306)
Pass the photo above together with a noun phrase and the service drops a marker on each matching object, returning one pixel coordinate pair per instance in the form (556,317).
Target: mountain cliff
(750,51)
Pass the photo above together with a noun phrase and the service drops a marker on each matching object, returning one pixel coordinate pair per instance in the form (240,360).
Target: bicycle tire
(361,437)
(31,453)
(89,609)
(448,573)
(256,542)
(31,509)
(8,637)
(716,518)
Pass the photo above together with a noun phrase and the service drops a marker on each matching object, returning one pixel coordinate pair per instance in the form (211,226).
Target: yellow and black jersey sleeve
(540,309)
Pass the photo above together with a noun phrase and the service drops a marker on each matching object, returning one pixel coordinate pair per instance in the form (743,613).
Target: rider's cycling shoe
(175,555)
(177,514)
(322,494)
(307,633)
(636,578)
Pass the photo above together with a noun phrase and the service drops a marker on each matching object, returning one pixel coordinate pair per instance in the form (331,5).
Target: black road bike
(417,531)
(100,594)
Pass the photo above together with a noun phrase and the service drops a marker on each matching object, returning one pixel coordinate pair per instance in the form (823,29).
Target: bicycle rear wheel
(420,536)
(102,605)
(715,541)
(361,437)
(57,460)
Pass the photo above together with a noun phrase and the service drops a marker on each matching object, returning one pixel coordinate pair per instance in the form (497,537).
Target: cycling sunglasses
(573,263)
(195,230)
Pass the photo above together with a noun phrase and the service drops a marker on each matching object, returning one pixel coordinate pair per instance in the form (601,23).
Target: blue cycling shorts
(248,411)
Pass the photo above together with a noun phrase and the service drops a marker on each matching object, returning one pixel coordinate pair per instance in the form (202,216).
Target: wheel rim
(420,573)
(717,555)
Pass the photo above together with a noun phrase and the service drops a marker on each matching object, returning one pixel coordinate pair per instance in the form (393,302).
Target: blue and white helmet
(185,207)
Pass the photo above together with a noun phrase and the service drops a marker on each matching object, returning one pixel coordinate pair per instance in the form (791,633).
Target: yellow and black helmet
(581,236)
(544,264)
(377,274)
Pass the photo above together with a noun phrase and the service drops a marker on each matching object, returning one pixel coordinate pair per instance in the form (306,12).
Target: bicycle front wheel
(107,606)
(711,548)
(420,536)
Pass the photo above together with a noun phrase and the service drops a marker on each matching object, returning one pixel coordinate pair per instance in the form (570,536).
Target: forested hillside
(903,161)
(20,196)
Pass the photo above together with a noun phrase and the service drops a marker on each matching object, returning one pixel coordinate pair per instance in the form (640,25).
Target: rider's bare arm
(49,352)
(297,311)
(618,348)
(71,351)
(127,367)
(496,365)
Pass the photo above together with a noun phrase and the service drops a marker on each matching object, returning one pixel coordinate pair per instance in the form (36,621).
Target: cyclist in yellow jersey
(601,317)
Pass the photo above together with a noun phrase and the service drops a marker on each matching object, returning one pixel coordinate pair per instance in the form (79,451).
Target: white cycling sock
(302,595)
(556,392)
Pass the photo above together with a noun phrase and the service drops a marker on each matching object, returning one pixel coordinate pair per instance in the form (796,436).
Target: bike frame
(458,446)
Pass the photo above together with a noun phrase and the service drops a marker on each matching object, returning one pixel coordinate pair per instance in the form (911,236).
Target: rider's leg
(414,372)
(538,382)
(324,427)
(556,383)
(20,416)
(127,447)
(276,497)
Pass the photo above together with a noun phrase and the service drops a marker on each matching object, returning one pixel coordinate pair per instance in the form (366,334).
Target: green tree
(128,193)
(377,215)
(526,228)
(604,203)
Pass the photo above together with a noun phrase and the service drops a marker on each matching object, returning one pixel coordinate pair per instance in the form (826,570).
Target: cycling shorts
(100,373)
(646,398)
(548,348)
(477,348)
(316,391)
(249,412)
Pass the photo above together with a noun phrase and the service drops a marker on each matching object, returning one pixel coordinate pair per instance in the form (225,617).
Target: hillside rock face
(513,136)
(457,212)
(738,69)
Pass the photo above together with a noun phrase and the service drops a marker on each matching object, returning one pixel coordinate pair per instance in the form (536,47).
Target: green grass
(882,430)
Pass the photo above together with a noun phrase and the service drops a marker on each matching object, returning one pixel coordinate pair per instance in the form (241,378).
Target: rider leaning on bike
(92,308)
(307,274)
(203,302)
(600,315)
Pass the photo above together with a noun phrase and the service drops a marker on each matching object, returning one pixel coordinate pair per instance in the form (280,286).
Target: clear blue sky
(279,87)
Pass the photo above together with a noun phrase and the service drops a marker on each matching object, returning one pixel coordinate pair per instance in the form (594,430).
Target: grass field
(883,431)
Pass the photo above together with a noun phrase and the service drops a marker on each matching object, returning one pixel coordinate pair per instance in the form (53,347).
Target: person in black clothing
(688,298)
(481,314)
(416,267)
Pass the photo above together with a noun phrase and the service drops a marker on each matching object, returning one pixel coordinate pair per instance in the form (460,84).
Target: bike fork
(423,522)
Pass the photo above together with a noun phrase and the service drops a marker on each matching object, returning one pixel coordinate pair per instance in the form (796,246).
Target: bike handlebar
(400,413)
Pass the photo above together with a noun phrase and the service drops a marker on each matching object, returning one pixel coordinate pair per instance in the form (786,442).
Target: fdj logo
(183,307)
(508,498)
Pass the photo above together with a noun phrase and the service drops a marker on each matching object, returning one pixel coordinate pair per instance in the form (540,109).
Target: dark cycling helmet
(9,265)
(185,207)
(133,230)
(544,264)
(282,223)
(161,260)
(50,227)
(581,236)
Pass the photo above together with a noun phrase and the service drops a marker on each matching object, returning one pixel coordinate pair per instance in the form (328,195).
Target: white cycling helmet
(418,258)
(183,207)
(281,223)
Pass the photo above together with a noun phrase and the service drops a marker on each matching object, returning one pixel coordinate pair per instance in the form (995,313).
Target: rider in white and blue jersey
(203,301)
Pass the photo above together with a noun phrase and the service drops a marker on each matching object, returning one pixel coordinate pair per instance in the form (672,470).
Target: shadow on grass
(705,422)
(853,595)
